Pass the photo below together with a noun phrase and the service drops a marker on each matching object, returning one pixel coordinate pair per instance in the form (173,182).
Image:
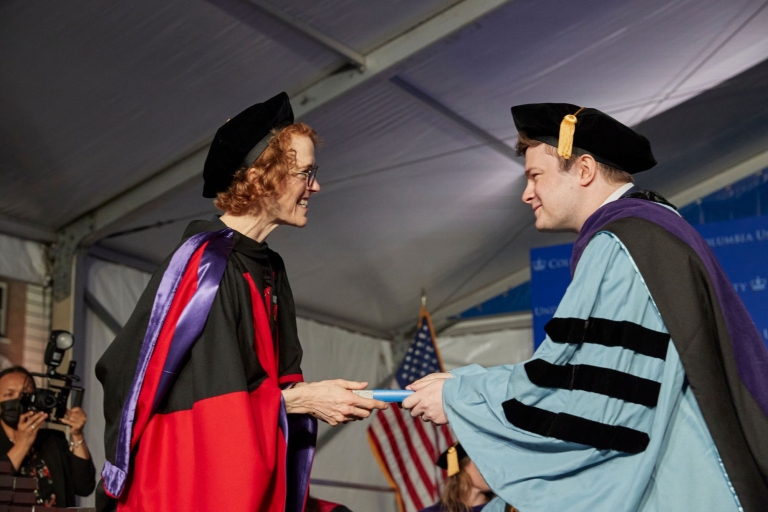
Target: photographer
(62,469)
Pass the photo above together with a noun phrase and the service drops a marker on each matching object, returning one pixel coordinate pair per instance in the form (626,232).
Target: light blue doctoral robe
(679,470)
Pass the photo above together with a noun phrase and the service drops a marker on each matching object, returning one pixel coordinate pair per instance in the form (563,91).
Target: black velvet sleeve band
(574,429)
(609,333)
(595,379)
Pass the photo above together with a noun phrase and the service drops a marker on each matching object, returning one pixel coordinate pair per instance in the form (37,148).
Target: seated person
(465,490)
(62,469)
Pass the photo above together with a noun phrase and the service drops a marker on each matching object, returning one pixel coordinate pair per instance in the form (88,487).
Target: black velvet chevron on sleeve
(594,379)
(574,429)
(609,333)
(603,381)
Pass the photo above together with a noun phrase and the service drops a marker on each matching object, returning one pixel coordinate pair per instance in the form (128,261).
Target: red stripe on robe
(290,379)
(227,452)
(326,506)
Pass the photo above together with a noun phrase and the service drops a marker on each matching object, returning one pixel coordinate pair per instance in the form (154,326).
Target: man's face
(553,194)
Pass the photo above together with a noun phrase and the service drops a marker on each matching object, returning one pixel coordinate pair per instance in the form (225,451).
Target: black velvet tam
(607,140)
(442,460)
(238,136)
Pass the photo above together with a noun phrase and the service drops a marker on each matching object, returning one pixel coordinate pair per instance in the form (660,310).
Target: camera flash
(64,340)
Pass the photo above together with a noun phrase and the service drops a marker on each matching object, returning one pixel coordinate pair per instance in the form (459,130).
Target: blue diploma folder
(385,395)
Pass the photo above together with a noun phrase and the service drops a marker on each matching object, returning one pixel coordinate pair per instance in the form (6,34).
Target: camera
(45,400)
(53,398)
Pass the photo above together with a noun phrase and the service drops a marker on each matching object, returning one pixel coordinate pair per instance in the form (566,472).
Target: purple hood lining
(750,353)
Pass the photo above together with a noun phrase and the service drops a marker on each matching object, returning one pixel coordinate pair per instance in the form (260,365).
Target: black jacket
(71,475)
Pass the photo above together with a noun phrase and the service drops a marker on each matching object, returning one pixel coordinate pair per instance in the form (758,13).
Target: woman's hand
(75,419)
(331,401)
(25,435)
(28,427)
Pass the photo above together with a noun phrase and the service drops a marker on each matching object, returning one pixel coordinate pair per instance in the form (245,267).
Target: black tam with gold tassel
(450,459)
(569,127)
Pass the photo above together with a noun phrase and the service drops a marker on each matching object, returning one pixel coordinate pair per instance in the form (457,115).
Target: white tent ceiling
(417,190)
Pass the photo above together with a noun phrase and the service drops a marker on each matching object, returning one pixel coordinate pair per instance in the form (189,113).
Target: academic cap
(567,126)
(241,140)
(449,459)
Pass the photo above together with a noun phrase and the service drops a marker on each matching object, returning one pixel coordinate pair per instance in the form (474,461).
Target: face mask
(10,411)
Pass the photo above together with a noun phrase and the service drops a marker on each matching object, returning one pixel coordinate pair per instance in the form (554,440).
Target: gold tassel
(453,461)
(567,130)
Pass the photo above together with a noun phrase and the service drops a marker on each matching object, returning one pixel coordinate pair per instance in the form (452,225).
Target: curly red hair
(260,180)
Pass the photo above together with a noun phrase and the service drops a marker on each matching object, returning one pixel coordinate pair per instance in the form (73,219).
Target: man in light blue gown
(650,391)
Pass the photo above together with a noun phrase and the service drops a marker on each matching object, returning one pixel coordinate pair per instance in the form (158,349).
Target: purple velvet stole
(749,351)
(300,432)
(190,325)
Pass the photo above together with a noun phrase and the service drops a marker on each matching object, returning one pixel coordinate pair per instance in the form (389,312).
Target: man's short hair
(611,174)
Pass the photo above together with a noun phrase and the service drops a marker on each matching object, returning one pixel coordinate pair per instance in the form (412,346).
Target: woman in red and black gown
(204,399)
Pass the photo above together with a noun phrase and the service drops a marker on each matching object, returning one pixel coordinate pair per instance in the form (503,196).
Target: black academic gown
(217,440)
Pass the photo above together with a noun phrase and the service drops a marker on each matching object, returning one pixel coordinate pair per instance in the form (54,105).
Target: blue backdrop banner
(550,276)
(741,246)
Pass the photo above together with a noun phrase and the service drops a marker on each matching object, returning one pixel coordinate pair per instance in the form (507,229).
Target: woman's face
(291,204)
(477,479)
(13,385)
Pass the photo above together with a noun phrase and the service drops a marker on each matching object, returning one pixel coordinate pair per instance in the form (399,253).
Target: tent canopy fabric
(418,188)
(23,260)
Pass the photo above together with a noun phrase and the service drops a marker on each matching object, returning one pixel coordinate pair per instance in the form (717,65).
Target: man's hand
(419,384)
(331,401)
(427,401)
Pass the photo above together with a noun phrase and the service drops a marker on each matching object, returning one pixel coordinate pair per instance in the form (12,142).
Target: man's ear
(586,166)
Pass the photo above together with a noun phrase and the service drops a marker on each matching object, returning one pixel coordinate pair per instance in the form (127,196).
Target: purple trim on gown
(209,278)
(302,436)
(300,431)
(749,351)
(192,320)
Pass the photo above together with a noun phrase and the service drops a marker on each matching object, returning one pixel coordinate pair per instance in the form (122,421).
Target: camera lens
(46,401)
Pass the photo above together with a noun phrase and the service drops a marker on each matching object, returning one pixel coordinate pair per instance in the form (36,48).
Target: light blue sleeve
(476,369)
(541,471)
(472,369)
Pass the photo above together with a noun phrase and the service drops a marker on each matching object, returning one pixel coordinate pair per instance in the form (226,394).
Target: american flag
(406,447)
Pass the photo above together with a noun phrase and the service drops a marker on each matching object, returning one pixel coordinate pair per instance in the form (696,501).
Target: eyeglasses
(308,176)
